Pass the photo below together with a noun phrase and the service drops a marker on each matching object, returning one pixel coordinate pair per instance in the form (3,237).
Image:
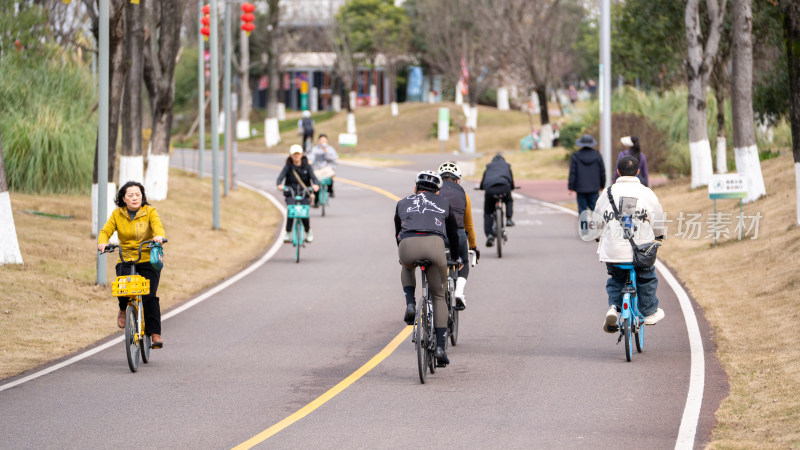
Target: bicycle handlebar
(306,191)
(111,247)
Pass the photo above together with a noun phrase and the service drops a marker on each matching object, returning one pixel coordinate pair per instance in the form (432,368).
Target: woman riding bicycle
(323,156)
(297,175)
(136,221)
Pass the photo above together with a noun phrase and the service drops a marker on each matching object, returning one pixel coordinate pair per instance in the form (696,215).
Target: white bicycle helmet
(450,168)
(429,179)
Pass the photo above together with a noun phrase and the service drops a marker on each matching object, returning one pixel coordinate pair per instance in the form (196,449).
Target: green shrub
(48,130)
(570,133)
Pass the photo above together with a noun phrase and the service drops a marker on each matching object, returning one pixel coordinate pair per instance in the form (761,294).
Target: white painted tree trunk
(472,117)
(242,129)
(353,102)
(749,166)
(373,95)
(722,155)
(537,107)
(131,168)
(395,110)
(281,111)
(502,99)
(111,192)
(157,177)
(459,95)
(272,133)
(336,103)
(546,135)
(351,123)
(313,102)
(702,166)
(9,245)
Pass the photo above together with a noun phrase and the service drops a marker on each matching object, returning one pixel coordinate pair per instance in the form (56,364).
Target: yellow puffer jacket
(131,233)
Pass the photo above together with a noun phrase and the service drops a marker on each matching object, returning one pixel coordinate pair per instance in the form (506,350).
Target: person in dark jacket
(497,180)
(587,173)
(424,223)
(633,149)
(295,174)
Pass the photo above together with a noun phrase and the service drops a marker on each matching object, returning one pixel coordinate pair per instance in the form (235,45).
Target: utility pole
(201,86)
(226,94)
(214,44)
(102,137)
(605,86)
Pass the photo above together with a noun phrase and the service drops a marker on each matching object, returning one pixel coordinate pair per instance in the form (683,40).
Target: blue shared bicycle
(324,193)
(296,213)
(631,321)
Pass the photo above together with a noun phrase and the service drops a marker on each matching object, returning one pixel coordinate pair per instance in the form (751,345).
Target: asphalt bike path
(532,367)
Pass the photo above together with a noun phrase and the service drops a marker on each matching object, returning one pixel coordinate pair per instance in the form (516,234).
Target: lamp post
(102,136)
(605,86)
(215,111)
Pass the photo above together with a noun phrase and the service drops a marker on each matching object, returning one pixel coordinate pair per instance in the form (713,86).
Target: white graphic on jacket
(422,205)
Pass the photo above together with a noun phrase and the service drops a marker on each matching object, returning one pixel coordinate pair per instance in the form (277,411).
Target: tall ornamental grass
(49,130)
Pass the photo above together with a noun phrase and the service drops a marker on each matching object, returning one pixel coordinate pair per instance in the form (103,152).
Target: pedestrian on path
(632,149)
(587,173)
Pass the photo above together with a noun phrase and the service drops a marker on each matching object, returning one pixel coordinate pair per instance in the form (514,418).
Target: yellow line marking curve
(355,376)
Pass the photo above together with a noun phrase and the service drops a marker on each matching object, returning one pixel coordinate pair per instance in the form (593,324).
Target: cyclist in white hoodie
(648,224)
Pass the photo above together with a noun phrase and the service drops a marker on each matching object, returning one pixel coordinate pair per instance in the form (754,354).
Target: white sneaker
(461,301)
(610,325)
(653,319)
(310,236)
(287,237)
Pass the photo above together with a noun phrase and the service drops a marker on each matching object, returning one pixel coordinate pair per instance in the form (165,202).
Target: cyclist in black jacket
(296,173)
(424,224)
(497,180)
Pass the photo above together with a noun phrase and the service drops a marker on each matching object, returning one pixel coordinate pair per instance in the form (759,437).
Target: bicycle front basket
(298,211)
(130,285)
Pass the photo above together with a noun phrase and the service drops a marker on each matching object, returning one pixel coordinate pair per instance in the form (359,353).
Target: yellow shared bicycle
(134,287)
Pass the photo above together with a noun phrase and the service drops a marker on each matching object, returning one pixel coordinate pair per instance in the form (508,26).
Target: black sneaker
(509,222)
(441,357)
(490,241)
(410,313)
(460,305)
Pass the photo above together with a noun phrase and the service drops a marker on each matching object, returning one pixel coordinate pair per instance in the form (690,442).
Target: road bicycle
(450,298)
(133,286)
(424,335)
(296,213)
(499,221)
(631,321)
(324,193)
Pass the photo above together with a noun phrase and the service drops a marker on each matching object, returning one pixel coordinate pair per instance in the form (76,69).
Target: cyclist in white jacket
(639,201)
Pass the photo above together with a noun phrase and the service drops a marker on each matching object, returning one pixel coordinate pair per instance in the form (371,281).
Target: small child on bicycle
(614,248)
(298,175)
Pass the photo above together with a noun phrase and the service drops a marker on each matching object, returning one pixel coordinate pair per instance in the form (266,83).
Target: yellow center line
(332,392)
(355,376)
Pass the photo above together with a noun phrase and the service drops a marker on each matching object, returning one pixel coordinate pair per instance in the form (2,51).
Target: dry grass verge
(542,164)
(50,306)
(748,290)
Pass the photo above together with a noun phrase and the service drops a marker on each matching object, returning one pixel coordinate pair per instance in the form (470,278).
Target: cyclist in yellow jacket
(136,221)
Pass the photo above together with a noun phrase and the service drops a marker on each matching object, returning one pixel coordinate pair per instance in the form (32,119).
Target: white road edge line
(278,243)
(697,371)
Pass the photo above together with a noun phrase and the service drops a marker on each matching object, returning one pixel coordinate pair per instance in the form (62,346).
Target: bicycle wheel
(147,341)
(639,334)
(431,338)
(323,198)
(421,341)
(298,239)
(498,217)
(626,332)
(454,328)
(131,344)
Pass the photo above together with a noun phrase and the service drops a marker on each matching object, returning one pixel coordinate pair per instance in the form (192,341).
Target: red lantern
(248,7)
(247,17)
(206,21)
(206,32)
(248,27)
(206,10)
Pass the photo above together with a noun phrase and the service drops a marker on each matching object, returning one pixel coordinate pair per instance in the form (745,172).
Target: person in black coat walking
(587,173)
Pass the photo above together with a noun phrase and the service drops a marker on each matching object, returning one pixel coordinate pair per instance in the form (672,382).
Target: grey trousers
(432,248)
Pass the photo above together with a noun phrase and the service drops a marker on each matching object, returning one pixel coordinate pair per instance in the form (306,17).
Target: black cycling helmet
(429,180)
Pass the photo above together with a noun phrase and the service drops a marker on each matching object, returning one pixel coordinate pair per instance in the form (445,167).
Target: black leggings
(290,200)
(488,205)
(150,302)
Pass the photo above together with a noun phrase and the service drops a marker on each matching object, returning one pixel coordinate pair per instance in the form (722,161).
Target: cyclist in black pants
(497,180)
(298,175)
(423,224)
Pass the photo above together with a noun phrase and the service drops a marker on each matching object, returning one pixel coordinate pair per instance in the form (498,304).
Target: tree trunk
(131,164)
(163,63)
(744,137)
(791,29)
(722,145)
(9,245)
(541,92)
(699,63)
(245,97)
(272,133)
